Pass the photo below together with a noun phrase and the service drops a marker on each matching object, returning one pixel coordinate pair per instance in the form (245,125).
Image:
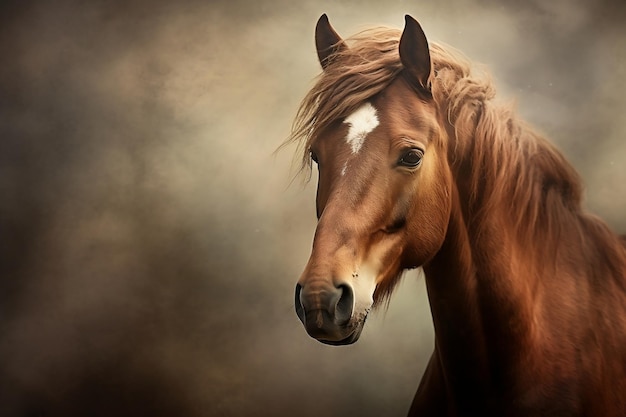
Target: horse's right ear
(327,41)
(415,54)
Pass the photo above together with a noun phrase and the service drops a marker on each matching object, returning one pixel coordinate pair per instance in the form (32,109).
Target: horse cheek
(427,237)
(431,207)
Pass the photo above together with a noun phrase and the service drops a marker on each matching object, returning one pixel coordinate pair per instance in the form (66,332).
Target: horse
(419,167)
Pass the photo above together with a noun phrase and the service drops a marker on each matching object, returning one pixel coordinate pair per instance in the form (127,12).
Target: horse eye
(411,158)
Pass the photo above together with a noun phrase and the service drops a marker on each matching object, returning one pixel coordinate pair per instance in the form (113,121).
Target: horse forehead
(361,123)
(400,108)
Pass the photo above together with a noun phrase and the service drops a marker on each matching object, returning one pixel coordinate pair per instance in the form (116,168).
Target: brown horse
(417,167)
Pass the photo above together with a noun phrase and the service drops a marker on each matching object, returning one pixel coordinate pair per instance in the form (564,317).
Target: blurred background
(150,240)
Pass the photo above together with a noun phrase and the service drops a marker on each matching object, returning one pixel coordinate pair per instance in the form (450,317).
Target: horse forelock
(353,75)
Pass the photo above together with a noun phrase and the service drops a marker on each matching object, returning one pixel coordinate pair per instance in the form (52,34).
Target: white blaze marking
(361,122)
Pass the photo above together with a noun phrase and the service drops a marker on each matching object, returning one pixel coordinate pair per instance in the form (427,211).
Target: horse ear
(414,53)
(327,41)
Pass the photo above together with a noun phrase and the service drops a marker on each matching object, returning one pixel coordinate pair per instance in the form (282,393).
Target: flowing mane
(528,176)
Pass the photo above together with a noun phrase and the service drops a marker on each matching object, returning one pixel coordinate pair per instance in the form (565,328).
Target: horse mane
(513,169)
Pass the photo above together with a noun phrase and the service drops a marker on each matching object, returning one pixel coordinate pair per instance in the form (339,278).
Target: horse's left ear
(414,53)
(327,41)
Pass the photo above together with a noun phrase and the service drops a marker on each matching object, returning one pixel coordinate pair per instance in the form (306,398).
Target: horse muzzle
(327,312)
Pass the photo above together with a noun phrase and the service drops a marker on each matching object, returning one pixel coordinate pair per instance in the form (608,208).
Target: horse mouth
(348,340)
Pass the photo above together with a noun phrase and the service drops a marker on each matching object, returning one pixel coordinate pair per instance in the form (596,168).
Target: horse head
(384,185)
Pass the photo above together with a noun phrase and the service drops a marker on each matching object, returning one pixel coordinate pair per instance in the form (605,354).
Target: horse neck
(481,313)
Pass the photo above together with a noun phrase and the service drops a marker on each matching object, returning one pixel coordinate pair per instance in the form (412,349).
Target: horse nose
(324,310)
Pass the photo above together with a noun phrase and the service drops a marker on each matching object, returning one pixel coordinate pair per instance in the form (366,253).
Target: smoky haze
(150,240)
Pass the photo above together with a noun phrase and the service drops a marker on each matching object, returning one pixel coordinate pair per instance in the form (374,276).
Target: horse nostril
(298,303)
(345,305)
(335,304)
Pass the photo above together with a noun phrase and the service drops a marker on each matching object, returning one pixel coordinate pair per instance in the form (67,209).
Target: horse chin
(351,338)
(347,341)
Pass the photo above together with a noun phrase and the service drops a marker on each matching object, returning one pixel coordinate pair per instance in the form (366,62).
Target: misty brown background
(149,239)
